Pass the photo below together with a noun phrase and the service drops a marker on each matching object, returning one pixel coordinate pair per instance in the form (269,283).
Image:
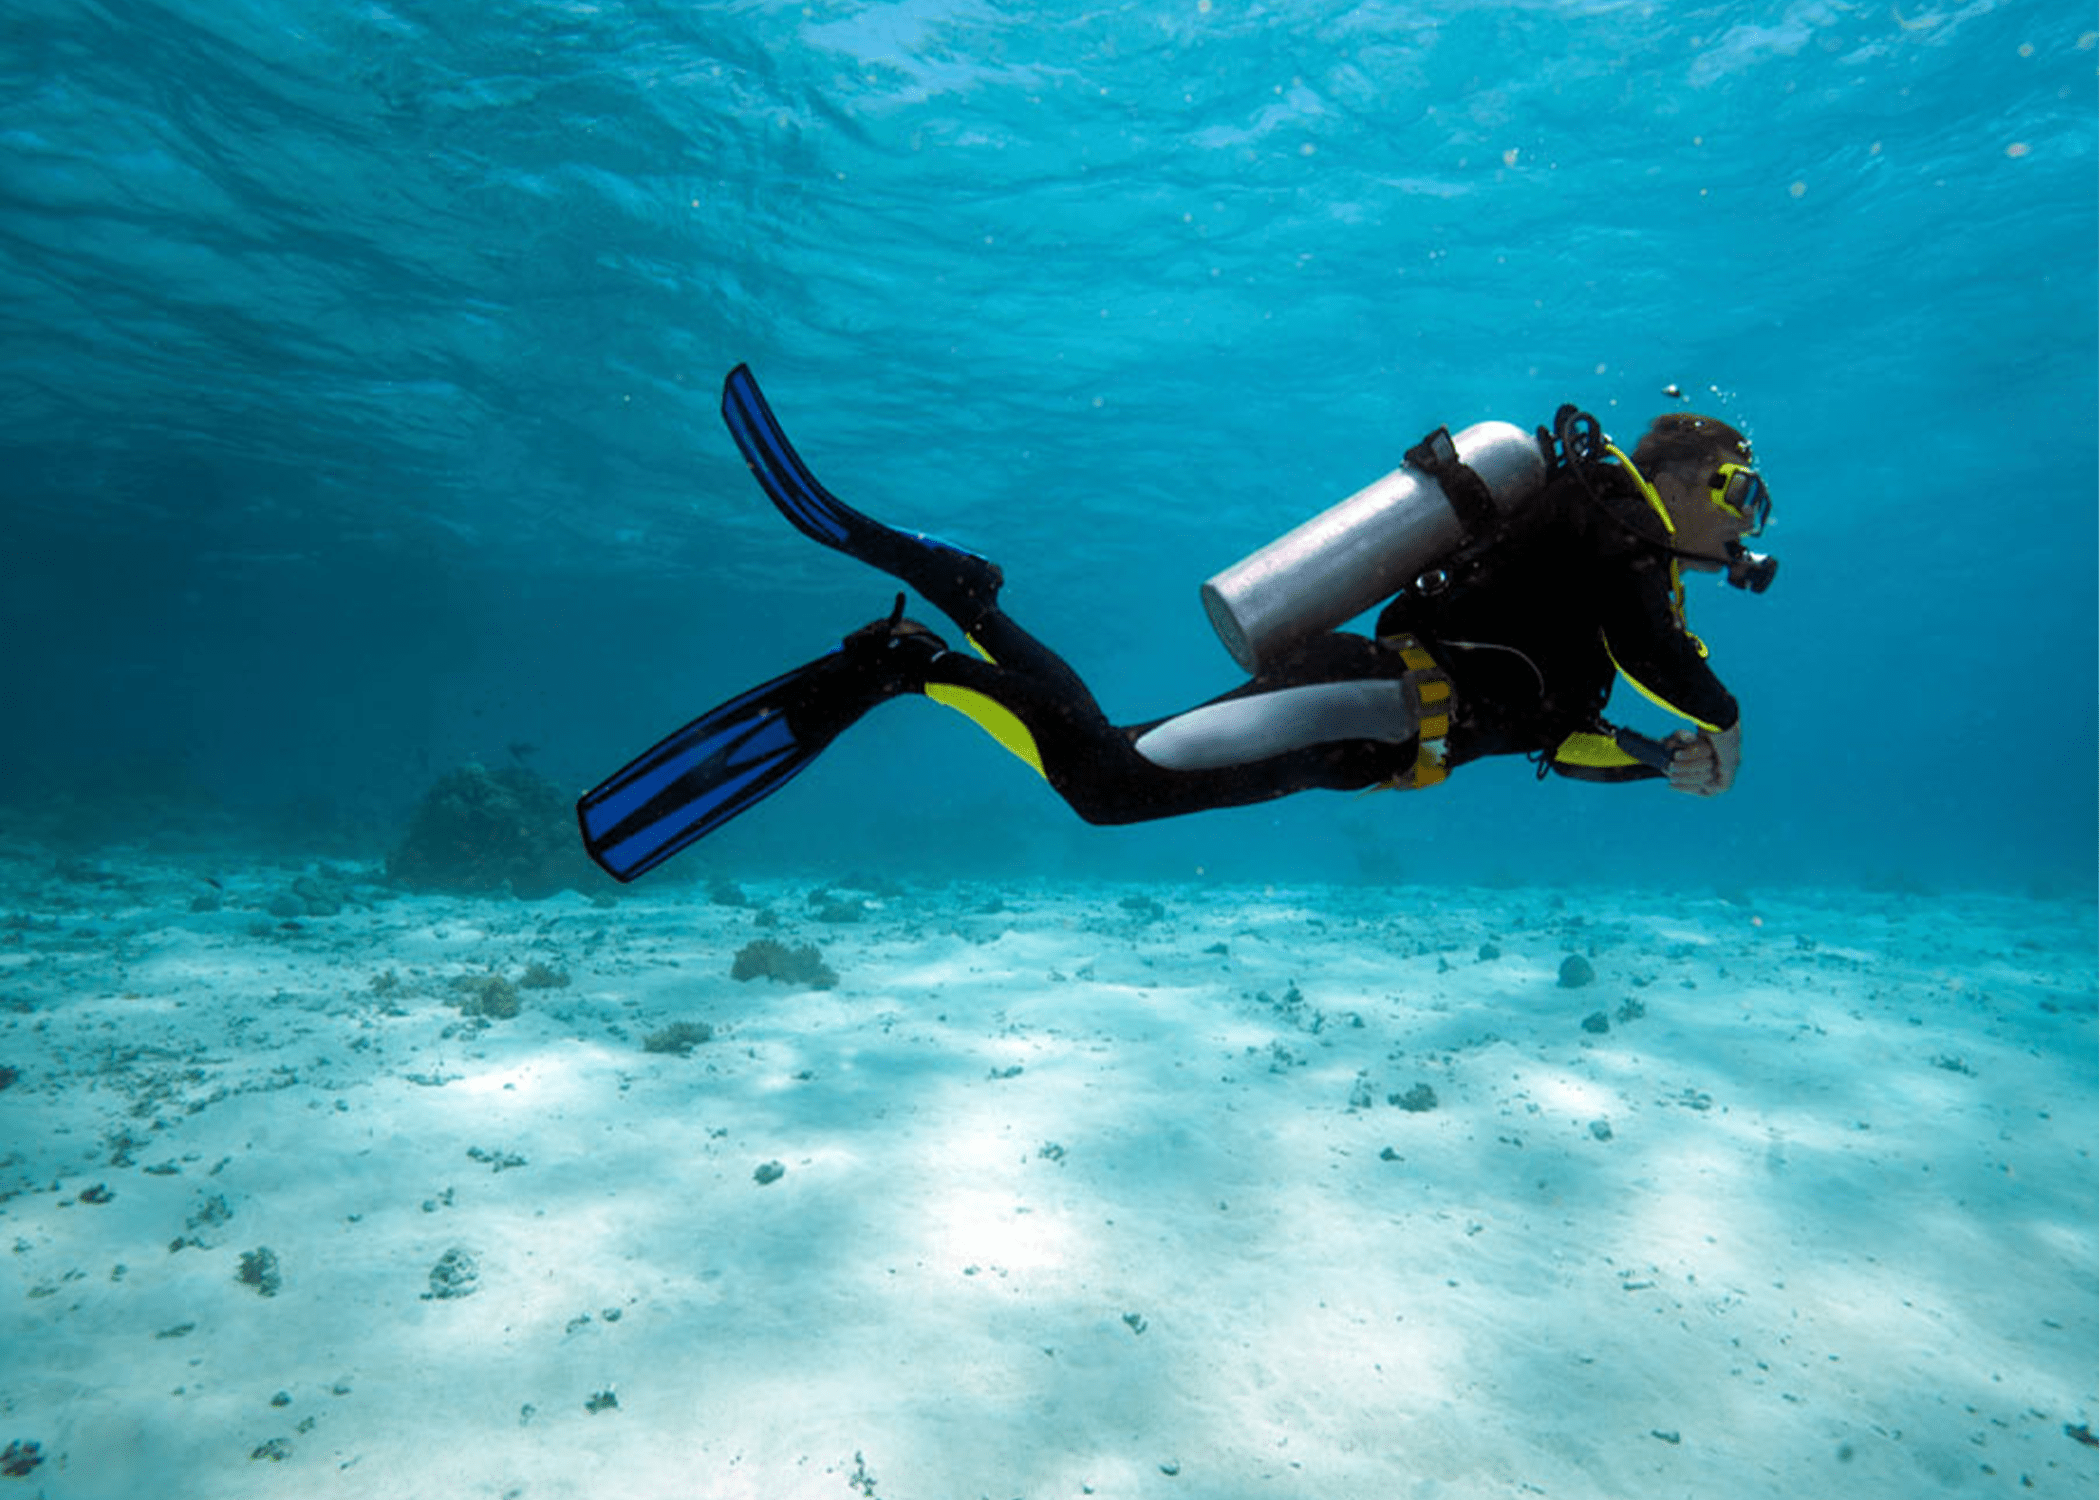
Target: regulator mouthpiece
(1751,570)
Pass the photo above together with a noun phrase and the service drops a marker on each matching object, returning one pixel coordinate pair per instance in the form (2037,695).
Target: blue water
(361,368)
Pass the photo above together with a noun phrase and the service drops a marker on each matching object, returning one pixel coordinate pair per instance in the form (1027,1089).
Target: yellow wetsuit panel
(993,717)
(1583,748)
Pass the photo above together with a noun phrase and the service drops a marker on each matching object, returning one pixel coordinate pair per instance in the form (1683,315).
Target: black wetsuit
(1528,635)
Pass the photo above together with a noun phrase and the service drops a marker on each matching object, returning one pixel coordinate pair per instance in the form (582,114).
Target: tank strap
(1437,456)
(1429,691)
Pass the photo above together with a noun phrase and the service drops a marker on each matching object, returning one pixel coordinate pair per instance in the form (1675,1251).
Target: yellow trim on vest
(1655,503)
(993,717)
(1601,751)
(1640,482)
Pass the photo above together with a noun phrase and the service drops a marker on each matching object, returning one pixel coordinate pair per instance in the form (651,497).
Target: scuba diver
(1522,573)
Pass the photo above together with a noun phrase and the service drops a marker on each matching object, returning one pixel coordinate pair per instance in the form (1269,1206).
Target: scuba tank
(1450,495)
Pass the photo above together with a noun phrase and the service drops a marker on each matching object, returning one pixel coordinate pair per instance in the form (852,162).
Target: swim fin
(961,583)
(736,755)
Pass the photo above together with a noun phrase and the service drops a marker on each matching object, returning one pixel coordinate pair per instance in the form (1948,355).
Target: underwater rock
(478,831)
(7,1076)
(1596,1023)
(322,894)
(455,1275)
(1293,1008)
(880,886)
(768,1173)
(20,1458)
(259,1270)
(679,1038)
(1144,908)
(1576,971)
(724,892)
(825,907)
(1416,1101)
(765,958)
(488,995)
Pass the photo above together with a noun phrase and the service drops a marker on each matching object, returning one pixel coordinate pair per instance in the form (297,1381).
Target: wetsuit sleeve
(1649,644)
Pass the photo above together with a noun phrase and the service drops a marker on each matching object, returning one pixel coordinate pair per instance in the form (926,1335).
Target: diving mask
(1741,491)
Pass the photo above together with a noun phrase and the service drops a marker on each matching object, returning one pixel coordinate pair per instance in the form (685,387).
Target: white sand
(1840,1240)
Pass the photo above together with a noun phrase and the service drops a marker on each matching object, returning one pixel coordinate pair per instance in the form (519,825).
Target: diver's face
(1703,528)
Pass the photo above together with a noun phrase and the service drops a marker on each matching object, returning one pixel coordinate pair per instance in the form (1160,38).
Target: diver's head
(1706,475)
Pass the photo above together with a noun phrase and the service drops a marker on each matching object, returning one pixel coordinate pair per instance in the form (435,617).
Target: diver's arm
(1653,650)
(1648,641)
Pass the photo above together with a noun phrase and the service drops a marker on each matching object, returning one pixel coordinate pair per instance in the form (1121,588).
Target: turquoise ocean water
(361,368)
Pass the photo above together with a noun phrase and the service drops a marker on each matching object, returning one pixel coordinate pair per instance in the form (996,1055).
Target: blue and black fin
(964,585)
(727,760)
(736,755)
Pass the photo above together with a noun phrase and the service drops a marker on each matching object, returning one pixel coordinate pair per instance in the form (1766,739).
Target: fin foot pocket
(894,652)
(963,585)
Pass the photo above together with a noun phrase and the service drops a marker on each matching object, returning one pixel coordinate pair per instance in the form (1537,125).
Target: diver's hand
(1704,764)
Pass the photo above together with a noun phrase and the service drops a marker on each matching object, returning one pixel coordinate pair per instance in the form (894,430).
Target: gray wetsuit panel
(1255,727)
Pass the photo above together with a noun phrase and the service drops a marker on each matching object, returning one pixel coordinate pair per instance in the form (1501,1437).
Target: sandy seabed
(1056,1191)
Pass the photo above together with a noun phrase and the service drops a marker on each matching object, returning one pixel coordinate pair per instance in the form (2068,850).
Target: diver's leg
(1333,715)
